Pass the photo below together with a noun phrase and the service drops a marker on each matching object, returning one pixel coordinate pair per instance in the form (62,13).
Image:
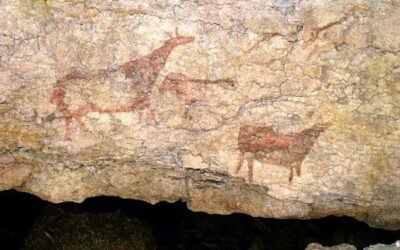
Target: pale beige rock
(394,246)
(282,109)
(316,246)
(13,176)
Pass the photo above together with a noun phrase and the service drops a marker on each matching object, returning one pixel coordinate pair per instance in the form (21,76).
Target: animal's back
(108,91)
(142,73)
(251,138)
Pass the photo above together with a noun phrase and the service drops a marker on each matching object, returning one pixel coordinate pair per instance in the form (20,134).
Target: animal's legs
(298,170)
(240,163)
(291,174)
(188,107)
(152,113)
(80,122)
(140,116)
(67,135)
(186,113)
(250,167)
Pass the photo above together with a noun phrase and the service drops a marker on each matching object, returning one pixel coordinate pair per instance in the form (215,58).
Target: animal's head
(311,133)
(321,127)
(315,130)
(179,39)
(227,84)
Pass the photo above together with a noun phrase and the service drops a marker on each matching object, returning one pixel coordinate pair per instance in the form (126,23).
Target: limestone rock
(282,109)
(394,246)
(315,246)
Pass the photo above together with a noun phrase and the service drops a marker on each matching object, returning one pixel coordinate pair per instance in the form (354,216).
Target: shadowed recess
(28,222)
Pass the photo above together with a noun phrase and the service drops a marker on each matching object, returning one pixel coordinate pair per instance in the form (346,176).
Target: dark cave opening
(28,222)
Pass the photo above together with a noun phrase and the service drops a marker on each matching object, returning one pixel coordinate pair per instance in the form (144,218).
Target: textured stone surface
(283,109)
(316,246)
(394,246)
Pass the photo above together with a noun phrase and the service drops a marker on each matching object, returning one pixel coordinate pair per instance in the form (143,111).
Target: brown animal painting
(140,75)
(192,90)
(267,146)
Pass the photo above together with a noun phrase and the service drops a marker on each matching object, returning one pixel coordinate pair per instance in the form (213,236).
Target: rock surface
(394,246)
(282,109)
(316,246)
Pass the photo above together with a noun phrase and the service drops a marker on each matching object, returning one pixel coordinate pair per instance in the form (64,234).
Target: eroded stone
(284,110)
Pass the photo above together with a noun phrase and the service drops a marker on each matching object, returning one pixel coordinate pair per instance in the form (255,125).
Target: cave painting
(141,73)
(191,90)
(5,169)
(267,146)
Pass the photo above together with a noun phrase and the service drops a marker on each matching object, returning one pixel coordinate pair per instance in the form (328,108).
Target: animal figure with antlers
(138,75)
(267,146)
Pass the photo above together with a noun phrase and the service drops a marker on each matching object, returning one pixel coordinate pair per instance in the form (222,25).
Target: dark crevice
(28,222)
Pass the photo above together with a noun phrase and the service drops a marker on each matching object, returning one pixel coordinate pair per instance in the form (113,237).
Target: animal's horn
(169,34)
(177,32)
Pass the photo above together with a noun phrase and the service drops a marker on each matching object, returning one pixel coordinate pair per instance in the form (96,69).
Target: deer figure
(141,75)
(267,146)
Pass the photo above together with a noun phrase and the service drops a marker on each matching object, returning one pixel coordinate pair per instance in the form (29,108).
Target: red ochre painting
(262,143)
(141,72)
